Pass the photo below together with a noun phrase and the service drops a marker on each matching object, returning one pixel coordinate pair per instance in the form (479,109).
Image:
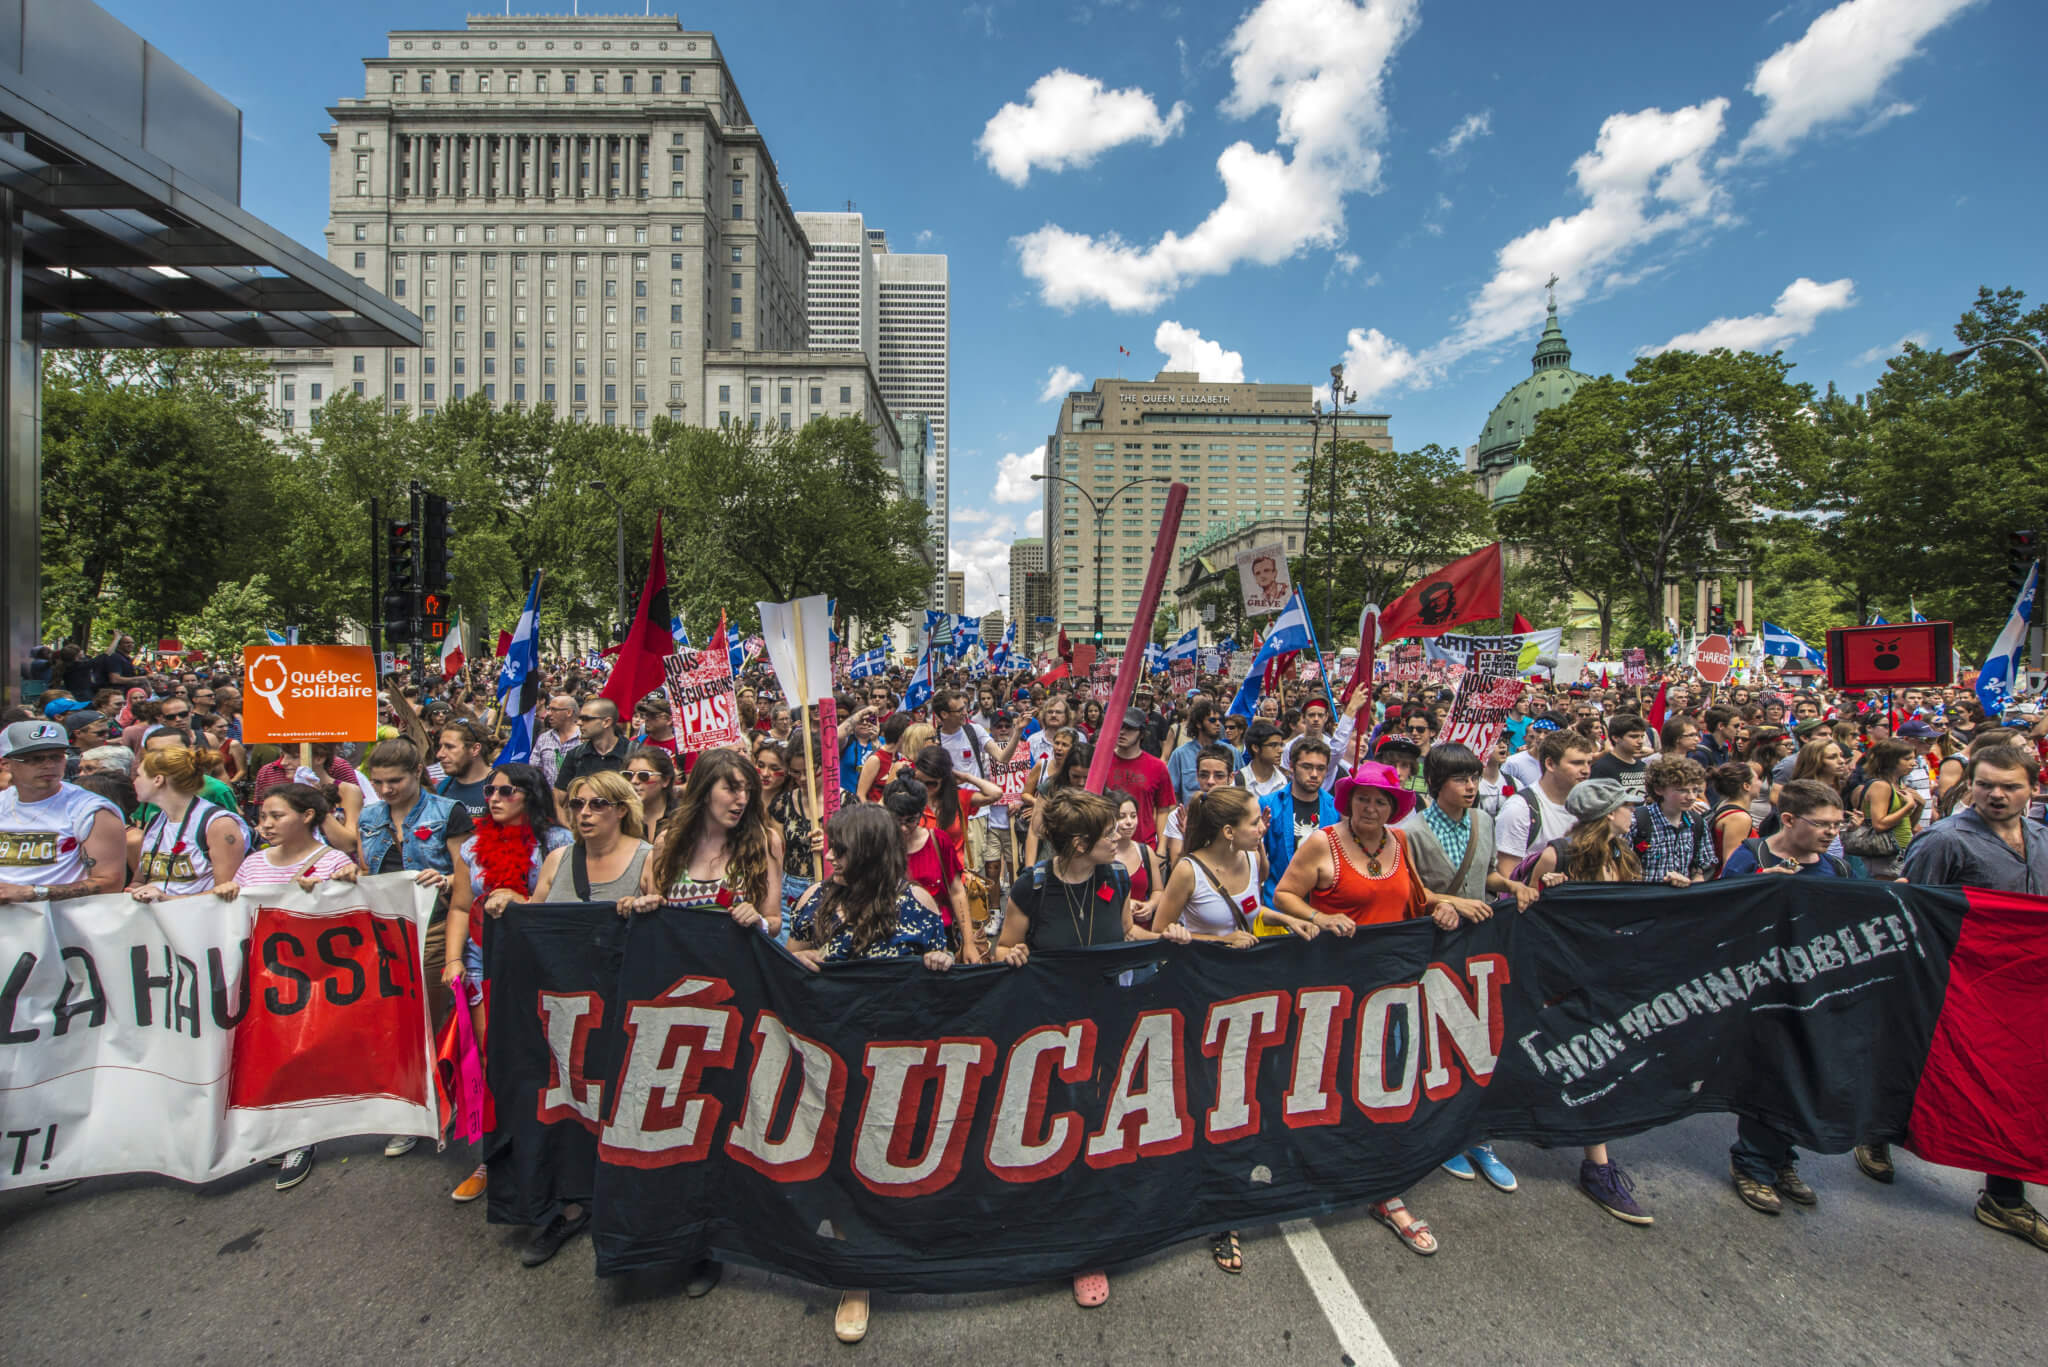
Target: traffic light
(1717,618)
(1097,639)
(400,558)
(2022,551)
(434,544)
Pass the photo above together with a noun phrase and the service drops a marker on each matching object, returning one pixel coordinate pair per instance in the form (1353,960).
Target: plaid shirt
(1671,849)
(1454,836)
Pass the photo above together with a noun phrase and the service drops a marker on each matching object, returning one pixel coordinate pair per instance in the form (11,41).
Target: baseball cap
(1915,729)
(1811,725)
(1134,720)
(1000,717)
(75,722)
(32,738)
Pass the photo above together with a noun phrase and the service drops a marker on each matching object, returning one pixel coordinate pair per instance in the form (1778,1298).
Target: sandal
(1223,1248)
(1091,1289)
(1417,1235)
(851,1323)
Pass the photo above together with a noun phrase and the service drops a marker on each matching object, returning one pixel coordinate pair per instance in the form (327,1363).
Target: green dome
(1512,483)
(1552,381)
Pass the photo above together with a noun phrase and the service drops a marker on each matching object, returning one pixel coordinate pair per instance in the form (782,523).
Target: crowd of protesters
(1306,819)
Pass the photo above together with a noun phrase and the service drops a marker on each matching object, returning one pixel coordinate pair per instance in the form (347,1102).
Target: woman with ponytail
(190,843)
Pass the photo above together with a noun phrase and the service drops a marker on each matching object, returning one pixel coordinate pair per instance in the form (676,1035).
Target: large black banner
(880,1125)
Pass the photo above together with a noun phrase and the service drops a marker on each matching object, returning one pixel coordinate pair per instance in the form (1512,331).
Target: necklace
(1372,856)
(1074,909)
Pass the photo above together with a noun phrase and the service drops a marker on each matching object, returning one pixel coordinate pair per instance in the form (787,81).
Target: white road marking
(1357,1335)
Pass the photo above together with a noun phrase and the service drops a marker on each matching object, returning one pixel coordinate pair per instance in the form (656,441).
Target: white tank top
(1211,911)
(44,842)
(174,853)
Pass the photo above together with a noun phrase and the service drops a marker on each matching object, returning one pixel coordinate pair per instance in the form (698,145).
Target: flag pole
(803,689)
(1131,665)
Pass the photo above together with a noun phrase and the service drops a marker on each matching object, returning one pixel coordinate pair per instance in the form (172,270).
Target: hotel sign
(1188,398)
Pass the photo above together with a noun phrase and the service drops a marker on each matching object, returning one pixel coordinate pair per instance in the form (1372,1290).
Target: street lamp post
(620,509)
(1101,511)
(2040,612)
(1339,396)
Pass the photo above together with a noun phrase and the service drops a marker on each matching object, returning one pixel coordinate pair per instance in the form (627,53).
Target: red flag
(1655,720)
(504,644)
(1522,624)
(637,671)
(1466,590)
(1066,648)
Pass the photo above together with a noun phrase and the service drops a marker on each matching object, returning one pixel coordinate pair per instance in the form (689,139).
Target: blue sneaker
(1460,1168)
(1492,1168)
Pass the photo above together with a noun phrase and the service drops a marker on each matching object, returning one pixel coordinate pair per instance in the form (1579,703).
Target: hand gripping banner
(880,1125)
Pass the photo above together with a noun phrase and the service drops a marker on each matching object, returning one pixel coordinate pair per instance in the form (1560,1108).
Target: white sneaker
(399,1145)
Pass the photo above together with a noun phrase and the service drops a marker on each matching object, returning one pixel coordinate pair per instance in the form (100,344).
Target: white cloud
(1058,381)
(1187,349)
(983,560)
(1471,127)
(1013,477)
(1798,308)
(1068,120)
(1885,353)
(971,515)
(1321,66)
(1034,524)
(1838,68)
(1645,179)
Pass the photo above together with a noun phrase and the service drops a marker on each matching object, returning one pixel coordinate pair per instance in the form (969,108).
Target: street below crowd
(369,1261)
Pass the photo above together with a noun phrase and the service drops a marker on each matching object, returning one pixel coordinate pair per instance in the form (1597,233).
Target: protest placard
(1635,667)
(702,695)
(1486,694)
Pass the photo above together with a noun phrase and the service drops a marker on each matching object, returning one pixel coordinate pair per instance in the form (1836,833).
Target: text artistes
(870,1124)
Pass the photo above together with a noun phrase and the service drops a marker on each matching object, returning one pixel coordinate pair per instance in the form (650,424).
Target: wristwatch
(41,892)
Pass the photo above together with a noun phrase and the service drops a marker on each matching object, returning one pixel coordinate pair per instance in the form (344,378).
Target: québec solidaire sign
(309,693)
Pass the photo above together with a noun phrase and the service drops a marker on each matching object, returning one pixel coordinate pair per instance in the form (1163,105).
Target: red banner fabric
(1466,590)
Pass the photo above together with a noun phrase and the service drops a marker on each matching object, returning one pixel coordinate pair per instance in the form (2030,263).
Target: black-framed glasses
(501,790)
(595,804)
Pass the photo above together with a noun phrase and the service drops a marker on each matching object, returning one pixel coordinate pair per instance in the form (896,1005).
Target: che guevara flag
(638,670)
(1466,590)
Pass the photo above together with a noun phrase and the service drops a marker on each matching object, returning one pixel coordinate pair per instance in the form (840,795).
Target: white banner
(1527,645)
(195,1037)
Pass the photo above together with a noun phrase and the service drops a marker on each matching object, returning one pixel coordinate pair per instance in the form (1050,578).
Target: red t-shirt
(1144,777)
(934,868)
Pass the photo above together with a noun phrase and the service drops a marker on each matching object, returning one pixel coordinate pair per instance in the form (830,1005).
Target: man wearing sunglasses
(603,747)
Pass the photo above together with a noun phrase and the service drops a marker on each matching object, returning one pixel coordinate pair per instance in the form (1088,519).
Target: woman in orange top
(1359,870)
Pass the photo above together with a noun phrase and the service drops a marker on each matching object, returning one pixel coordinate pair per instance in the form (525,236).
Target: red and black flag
(637,670)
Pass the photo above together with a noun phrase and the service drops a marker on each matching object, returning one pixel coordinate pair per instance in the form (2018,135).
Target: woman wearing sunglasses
(652,772)
(606,863)
(498,865)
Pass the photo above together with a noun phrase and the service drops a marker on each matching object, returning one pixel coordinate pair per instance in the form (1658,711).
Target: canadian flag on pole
(451,648)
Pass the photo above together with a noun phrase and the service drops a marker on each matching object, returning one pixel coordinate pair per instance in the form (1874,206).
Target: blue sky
(1260,190)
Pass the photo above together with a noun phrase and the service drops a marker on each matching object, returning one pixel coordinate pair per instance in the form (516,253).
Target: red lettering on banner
(898,1074)
(1312,1095)
(805,1149)
(1143,1121)
(332,1022)
(1463,1021)
(1236,1033)
(567,1018)
(1023,1146)
(1382,1103)
(659,1118)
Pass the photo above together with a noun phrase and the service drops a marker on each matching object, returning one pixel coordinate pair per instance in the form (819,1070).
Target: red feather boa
(504,854)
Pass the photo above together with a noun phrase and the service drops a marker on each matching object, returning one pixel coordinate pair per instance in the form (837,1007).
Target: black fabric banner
(880,1125)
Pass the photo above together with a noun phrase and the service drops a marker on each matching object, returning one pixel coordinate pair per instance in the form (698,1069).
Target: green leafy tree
(1399,515)
(1669,467)
(235,616)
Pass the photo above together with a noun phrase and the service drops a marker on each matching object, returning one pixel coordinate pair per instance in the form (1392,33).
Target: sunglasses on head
(595,804)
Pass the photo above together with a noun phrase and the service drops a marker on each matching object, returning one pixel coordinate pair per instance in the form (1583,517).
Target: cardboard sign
(1262,577)
(1406,666)
(1485,696)
(704,699)
(309,693)
(1010,776)
(1102,676)
(1181,673)
(1635,667)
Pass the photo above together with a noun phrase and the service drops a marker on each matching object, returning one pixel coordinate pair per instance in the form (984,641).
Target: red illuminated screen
(1890,656)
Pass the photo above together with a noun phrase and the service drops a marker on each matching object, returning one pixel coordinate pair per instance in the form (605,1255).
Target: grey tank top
(627,884)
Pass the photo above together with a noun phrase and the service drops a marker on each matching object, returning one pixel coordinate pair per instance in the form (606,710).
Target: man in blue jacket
(1299,810)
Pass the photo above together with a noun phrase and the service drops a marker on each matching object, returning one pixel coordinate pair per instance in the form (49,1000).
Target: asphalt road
(369,1261)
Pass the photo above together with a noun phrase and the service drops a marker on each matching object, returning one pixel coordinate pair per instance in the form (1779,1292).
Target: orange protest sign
(309,693)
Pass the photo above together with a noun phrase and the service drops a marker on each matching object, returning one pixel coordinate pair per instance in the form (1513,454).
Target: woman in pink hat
(1360,869)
